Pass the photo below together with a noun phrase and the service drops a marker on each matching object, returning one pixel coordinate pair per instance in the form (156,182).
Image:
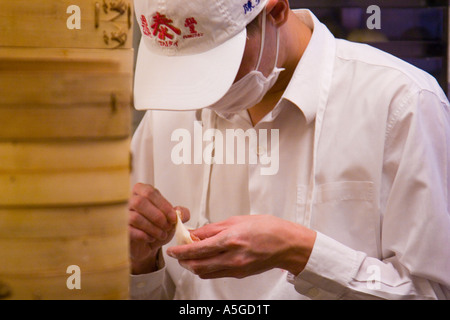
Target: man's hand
(246,245)
(152,221)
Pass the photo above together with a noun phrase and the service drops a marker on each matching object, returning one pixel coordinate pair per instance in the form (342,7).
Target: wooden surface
(105,285)
(37,245)
(66,59)
(45,122)
(49,257)
(65,93)
(62,222)
(64,188)
(43,23)
(57,156)
(65,126)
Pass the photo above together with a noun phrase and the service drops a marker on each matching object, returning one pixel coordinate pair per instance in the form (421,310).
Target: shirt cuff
(147,286)
(329,270)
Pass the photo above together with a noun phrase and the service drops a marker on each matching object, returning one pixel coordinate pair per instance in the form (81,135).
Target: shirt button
(313,292)
(140,285)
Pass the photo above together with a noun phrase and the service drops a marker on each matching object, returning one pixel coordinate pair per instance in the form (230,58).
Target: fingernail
(170,253)
(173,216)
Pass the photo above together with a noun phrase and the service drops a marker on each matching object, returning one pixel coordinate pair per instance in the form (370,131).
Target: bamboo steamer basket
(104,24)
(65,125)
(38,244)
(56,173)
(65,93)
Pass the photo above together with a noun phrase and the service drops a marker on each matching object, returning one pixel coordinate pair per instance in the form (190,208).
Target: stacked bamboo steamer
(65,124)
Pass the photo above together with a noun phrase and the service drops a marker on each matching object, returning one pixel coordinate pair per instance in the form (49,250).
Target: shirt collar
(311,80)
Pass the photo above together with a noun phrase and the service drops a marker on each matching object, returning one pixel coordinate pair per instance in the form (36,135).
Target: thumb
(208,231)
(185,213)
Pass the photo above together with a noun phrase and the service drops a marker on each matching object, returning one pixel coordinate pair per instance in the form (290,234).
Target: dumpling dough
(182,234)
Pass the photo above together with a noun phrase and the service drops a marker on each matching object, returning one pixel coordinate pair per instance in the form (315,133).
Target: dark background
(413,30)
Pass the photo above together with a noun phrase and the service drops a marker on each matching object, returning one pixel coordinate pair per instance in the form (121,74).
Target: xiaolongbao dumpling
(182,234)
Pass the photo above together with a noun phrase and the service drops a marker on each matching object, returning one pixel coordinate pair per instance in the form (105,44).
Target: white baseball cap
(190,50)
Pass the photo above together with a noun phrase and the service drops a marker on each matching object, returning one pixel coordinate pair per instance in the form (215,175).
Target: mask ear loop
(263,37)
(278,48)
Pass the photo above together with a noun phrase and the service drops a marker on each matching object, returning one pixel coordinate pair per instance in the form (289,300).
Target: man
(349,200)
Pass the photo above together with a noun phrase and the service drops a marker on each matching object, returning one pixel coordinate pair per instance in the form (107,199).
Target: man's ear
(278,10)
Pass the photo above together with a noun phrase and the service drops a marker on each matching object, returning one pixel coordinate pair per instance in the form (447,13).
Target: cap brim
(188,82)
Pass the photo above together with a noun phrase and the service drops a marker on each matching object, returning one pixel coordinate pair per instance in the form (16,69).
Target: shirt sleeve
(415,233)
(152,286)
(142,152)
(335,271)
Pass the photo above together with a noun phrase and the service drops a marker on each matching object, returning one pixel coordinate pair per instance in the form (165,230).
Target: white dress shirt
(364,159)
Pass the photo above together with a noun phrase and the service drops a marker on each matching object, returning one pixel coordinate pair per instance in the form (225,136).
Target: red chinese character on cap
(190,23)
(160,27)
(145,28)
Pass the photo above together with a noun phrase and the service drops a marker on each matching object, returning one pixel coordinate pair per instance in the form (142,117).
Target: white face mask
(251,89)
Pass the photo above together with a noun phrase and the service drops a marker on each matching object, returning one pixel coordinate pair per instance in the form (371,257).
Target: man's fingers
(203,266)
(139,222)
(185,213)
(219,266)
(154,197)
(198,250)
(155,216)
(209,230)
(139,235)
(211,244)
